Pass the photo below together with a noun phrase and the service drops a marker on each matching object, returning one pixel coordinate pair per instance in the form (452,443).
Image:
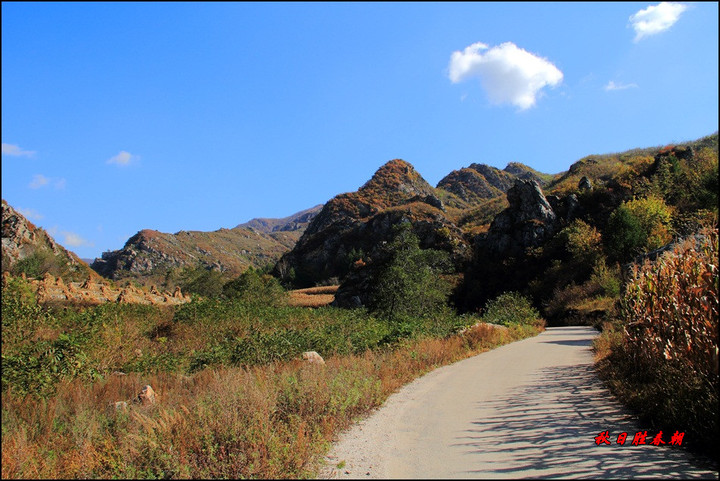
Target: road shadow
(579,342)
(549,425)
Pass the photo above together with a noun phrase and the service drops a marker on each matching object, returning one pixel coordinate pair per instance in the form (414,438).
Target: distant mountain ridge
(295,222)
(149,255)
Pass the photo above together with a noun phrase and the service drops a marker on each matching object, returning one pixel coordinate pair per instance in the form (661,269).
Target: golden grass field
(313,296)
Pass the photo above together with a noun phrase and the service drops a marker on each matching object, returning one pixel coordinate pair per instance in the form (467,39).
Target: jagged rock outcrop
(662,158)
(566,208)
(528,222)
(149,254)
(355,224)
(21,239)
(94,291)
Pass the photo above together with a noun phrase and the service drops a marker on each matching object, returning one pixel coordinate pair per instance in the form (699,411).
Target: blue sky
(195,116)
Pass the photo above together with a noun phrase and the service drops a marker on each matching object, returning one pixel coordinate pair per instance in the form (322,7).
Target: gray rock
(526,223)
(585,184)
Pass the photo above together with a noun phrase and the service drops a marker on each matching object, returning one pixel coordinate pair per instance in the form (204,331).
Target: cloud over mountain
(74,240)
(507,73)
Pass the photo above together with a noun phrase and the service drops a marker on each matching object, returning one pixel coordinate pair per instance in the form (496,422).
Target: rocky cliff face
(528,222)
(23,241)
(351,226)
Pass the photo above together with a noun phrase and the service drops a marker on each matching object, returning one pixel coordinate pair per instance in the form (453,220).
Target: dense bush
(35,265)
(689,183)
(201,281)
(637,226)
(511,308)
(253,287)
(33,361)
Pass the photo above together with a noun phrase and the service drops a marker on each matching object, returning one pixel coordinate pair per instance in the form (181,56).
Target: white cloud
(38,181)
(30,213)
(74,240)
(16,151)
(656,18)
(123,158)
(613,86)
(507,73)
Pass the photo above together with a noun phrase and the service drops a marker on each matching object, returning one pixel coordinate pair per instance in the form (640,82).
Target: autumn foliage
(671,307)
(664,359)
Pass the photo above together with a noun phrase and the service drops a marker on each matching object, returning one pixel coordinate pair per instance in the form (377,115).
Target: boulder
(146,396)
(313,357)
(584,184)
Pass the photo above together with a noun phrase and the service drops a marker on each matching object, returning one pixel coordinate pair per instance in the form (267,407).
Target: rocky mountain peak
(21,240)
(499,179)
(360,221)
(398,176)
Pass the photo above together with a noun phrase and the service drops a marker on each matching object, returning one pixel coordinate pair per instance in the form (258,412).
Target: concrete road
(530,409)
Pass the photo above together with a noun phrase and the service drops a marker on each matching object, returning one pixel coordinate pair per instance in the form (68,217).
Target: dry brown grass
(318,290)
(271,421)
(312,296)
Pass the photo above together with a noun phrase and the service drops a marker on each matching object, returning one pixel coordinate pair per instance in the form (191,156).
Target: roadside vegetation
(659,354)
(233,397)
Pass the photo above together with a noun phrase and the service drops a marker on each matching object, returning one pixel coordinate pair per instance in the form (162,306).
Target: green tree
(254,287)
(637,226)
(36,265)
(410,283)
(201,281)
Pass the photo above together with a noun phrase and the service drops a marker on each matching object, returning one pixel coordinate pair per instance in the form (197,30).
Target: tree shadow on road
(547,429)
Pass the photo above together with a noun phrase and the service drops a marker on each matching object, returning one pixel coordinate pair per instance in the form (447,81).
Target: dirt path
(527,409)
